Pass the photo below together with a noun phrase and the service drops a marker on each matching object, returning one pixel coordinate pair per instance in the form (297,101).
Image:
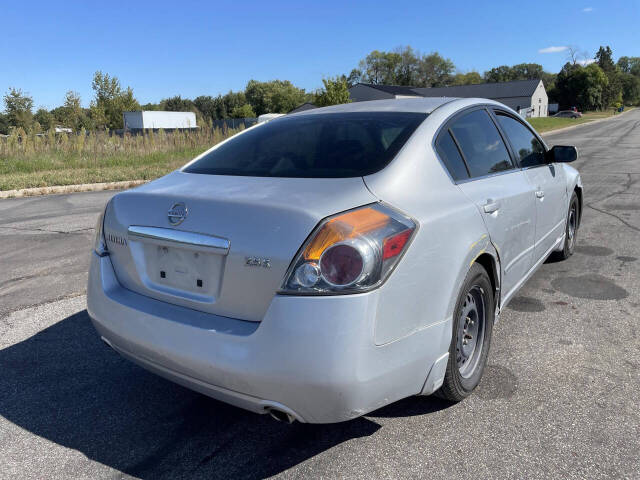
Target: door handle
(540,193)
(491,207)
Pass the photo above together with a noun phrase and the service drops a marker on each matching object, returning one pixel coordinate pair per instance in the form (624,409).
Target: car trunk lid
(230,252)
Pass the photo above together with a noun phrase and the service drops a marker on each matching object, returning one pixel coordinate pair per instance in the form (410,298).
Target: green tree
(177,104)
(72,111)
(563,92)
(590,85)
(403,66)
(243,111)
(110,101)
(629,65)
(469,78)
(335,92)
(630,89)
(150,106)
(226,104)
(434,71)
(45,119)
(527,71)
(354,77)
(583,87)
(604,59)
(4,123)
(613,92)
(548,79)
(207,105)
(521,71)
(498,74)
(399,67)
(18,107)
(276,96)
(374,69)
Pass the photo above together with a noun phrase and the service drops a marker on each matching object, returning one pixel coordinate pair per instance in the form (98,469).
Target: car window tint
(317,145)
(451,157)
(481,144)
(528,148)
(389,135)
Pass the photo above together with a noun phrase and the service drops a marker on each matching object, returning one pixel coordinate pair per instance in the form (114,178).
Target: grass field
(29,161)
(545,124)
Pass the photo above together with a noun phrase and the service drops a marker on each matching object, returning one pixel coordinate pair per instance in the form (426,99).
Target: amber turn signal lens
(342,227)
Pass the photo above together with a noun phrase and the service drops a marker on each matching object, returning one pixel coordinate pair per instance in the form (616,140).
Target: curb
(564,129)
(85,187)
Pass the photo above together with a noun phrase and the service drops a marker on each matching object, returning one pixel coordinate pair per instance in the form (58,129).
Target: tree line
(587,84)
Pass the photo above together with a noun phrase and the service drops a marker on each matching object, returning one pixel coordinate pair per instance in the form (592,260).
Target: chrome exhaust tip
(281,416)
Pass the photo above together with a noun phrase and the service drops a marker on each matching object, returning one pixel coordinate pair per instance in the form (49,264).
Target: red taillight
(393,246)
(351,252)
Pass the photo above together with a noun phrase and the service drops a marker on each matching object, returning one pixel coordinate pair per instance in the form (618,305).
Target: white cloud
(586,61)
(553,49)
(587,10)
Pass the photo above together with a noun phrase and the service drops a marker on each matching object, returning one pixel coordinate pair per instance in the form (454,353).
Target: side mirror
(562,154)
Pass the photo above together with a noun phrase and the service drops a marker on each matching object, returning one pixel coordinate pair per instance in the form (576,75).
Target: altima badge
(177,213)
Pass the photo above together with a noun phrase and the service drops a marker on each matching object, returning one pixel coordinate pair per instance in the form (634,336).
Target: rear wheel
(571,229)
(472,328)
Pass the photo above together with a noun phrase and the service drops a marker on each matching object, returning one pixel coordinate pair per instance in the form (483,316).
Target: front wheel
(471,338)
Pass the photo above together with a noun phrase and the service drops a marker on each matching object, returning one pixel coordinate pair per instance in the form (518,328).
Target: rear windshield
(327,145)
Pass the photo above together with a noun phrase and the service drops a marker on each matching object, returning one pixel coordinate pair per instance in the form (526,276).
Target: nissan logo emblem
(177,213)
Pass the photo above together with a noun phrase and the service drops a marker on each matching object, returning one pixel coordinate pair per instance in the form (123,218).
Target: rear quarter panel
(422,291)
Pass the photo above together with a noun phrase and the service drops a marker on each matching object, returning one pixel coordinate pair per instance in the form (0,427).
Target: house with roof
(527,97)
(303,108)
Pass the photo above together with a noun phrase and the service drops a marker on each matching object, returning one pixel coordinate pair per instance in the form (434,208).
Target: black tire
(571,229)
(461,378)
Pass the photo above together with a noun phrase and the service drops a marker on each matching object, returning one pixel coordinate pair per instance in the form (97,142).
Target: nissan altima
(324,264)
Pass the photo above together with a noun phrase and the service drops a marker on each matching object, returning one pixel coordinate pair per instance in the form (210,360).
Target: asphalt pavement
(559,398)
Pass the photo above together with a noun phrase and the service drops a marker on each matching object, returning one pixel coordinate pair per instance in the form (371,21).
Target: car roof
(421,105)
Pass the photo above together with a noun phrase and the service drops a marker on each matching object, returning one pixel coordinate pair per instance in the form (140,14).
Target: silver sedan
(321,265)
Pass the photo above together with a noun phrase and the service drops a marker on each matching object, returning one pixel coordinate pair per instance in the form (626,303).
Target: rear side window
(481,144)
(327,145)
(528,148)
(450,156)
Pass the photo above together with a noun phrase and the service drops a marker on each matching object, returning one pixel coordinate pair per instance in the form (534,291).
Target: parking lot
(559,398)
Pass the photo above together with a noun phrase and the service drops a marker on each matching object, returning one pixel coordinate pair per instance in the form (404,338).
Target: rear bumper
(312,357)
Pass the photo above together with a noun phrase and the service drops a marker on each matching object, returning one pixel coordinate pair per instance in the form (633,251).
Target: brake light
(393,246)
(350,252)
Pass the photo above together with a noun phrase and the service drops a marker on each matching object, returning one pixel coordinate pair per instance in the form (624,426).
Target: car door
(547,179)
(501,192)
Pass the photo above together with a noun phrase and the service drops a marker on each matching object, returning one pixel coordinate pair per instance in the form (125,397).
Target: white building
(144,120)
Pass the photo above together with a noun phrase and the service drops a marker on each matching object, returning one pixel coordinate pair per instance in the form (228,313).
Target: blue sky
(188,48)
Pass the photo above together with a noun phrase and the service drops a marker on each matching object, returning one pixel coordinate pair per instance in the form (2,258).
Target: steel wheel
(471,328)
(471,335)
(572,225)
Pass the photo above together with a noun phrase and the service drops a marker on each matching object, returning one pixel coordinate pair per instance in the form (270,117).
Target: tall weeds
(28,160)
(101,144)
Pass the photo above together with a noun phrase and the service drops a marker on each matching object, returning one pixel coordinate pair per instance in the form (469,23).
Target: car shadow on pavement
(65,385)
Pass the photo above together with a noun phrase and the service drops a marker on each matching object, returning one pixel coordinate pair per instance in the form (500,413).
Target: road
(559,398)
